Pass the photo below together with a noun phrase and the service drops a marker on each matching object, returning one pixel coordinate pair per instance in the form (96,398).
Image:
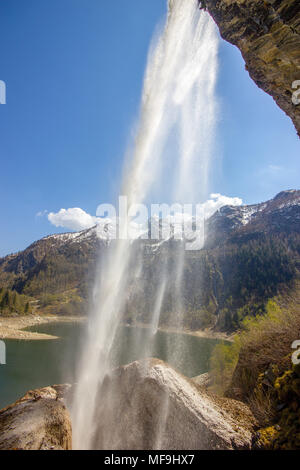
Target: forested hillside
(13,303)
(252,253)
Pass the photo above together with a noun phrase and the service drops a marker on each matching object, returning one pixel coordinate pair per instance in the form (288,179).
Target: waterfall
(169,158)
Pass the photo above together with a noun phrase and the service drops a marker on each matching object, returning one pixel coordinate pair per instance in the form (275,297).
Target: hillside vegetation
(13,303)
(257,368)
(252,253)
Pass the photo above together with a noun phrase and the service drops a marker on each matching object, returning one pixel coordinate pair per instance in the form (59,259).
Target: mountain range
(251,254)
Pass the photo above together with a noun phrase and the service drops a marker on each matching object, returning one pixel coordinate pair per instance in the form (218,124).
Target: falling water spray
(175,131)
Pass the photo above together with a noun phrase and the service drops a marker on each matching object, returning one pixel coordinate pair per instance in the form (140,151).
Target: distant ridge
(251,253)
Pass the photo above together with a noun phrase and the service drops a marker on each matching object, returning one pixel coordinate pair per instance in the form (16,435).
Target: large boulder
(38,421)
(149,405)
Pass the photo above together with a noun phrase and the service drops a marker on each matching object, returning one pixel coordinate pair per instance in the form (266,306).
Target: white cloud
(217,201)
(274,168)
(72,219)
(77,219)
(271,171)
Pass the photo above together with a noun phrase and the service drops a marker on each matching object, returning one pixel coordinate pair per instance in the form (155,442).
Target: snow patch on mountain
(186,227)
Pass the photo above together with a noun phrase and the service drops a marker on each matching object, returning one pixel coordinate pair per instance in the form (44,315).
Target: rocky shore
(208,333)
(13,327)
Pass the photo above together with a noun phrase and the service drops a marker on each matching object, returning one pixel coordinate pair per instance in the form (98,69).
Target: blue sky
(74,72)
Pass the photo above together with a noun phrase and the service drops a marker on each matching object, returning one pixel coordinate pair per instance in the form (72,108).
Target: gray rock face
(267,32)
(203,380)
(38,421)
(148,405)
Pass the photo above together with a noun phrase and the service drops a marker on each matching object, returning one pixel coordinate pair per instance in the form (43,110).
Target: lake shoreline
(13,327)
(208,333)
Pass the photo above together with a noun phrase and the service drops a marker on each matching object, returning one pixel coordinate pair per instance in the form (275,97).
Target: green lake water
(33,364)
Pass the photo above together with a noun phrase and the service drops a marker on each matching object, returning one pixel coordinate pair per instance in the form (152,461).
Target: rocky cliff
(267,32)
